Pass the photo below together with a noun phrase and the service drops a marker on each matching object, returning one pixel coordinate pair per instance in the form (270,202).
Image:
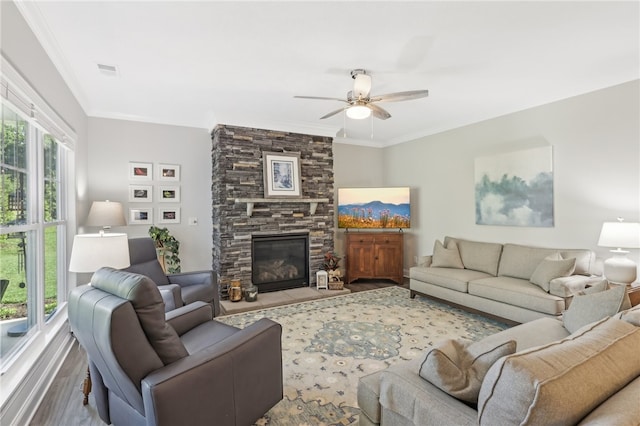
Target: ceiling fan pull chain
(344,123)
(371,126)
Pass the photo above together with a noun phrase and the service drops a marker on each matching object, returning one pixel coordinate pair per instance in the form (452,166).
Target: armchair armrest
(185,279)
(189,316)
(171,296)
(237,380)
(198,285)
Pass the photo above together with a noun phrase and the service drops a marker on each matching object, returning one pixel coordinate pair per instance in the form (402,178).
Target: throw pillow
(551,268)
(458,366)
(446,257)
(593,307)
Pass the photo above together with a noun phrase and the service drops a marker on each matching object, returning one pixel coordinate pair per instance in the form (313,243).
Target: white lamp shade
(620,235)
(93,251)
(106,213)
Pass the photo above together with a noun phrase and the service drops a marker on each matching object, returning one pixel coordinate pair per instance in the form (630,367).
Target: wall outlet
(193,221)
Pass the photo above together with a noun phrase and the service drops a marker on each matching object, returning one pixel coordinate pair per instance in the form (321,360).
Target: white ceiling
(201,63)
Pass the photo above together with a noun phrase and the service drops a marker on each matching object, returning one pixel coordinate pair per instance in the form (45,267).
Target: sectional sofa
(518,283)
(543,372)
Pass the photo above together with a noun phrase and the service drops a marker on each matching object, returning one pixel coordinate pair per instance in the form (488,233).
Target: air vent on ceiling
(111,70)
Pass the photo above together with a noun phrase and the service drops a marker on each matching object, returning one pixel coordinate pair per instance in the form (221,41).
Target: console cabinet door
(360,257)
(388,257)
(375,255)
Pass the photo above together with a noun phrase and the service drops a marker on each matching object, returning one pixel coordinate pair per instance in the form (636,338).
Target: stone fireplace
(237,159)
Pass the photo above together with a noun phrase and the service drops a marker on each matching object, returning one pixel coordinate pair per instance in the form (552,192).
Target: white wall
(356,167)
(596,159)
(114,143)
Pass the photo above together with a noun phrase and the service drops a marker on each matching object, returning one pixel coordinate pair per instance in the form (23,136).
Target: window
(32,229)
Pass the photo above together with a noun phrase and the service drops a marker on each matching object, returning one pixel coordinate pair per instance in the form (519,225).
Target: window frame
(17,95)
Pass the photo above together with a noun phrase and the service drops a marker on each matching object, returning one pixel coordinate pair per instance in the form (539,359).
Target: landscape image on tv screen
(374,208)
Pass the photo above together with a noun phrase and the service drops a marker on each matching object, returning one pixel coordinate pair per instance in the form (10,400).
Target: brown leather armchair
(186,287)
(182,369)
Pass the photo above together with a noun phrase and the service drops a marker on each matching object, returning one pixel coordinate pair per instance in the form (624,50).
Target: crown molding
(32,15)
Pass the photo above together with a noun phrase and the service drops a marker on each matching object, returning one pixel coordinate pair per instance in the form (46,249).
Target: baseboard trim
(23,403)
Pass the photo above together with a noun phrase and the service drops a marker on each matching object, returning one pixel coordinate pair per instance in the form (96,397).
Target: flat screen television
(374,208)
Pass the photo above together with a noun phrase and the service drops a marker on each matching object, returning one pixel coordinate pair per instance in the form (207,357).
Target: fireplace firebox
(280,262)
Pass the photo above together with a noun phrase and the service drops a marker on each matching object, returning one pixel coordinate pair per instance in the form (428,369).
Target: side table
(634,293)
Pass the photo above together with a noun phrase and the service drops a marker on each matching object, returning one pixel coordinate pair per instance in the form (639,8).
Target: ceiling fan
(361,104)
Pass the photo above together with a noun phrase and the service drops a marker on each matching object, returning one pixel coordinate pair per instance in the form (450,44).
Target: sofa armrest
(424,261)
(189,316)
(569,286)
(237,379)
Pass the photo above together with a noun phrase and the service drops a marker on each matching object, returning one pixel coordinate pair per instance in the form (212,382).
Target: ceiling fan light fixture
(358,112)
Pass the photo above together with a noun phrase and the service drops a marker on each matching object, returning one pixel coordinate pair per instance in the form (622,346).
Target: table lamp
(106,214)
(91,252)
(620,269)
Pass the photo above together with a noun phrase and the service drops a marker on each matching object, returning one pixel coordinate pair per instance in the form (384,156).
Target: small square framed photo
(140,216)
(140,193)
(140,171)
(169,172)
(169,215)
(169,194)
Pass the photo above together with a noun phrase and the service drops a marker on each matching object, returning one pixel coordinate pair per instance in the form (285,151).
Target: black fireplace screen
(280,262)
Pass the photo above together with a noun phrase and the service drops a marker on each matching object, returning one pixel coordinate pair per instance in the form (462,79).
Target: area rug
(328,344)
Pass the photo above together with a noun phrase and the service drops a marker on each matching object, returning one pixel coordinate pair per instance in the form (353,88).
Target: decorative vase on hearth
(235,291)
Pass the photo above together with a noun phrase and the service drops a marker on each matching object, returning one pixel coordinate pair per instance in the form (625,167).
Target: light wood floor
(62,404)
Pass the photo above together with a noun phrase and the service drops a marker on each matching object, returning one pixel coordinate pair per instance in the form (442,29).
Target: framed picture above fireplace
(281,175)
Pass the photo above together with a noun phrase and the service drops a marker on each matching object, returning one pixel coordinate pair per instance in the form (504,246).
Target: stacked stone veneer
(237,173)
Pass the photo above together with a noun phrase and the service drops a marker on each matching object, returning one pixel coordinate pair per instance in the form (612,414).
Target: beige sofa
(514,282)
(588,377)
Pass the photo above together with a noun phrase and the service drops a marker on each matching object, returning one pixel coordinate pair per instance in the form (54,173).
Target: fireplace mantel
(313,202)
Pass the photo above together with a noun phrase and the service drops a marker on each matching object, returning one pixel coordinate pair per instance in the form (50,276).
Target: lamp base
(619,269)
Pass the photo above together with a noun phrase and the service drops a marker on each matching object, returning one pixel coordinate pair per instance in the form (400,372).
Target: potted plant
(331,263)
(168,248)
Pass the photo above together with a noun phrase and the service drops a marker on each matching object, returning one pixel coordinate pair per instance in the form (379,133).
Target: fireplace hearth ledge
(278,298)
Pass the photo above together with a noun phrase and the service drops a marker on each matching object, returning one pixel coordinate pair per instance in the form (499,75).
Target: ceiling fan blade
(332,113)
(401,96)
(378,112)
(321,98)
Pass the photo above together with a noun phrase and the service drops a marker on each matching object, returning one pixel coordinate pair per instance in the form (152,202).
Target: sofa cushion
(454,279)
(561,382)
(550,268)
(585,261)
(457,366)
(448,257)
(479,256)
(622,408)
(520,261)
(517,292)
(587,308)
